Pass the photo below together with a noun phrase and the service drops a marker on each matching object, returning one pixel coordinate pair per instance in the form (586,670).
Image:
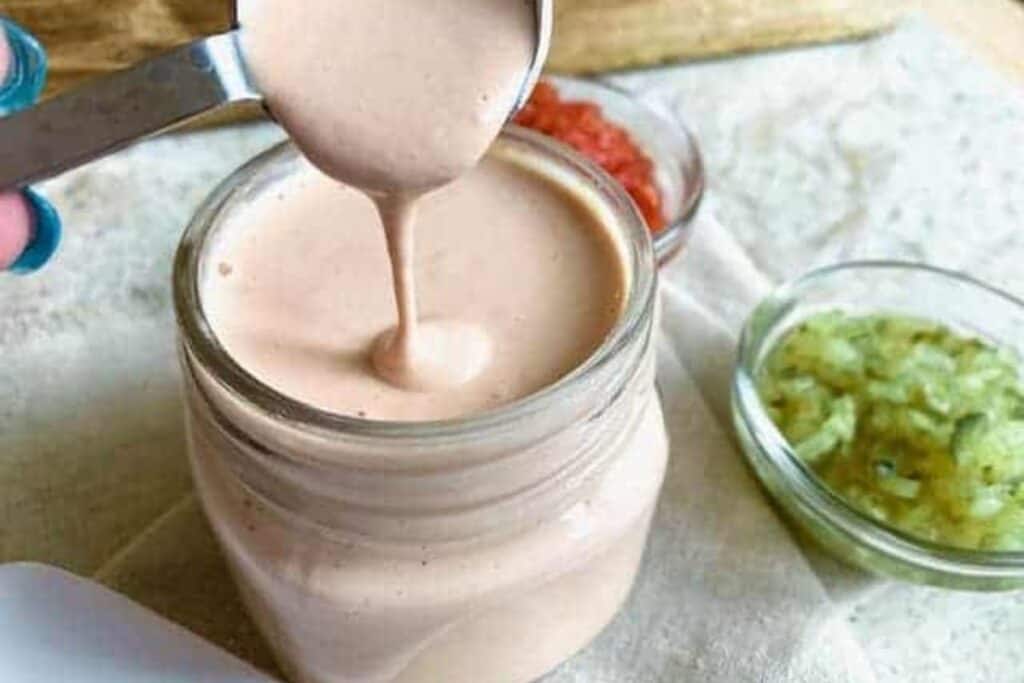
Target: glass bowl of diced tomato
(654,156)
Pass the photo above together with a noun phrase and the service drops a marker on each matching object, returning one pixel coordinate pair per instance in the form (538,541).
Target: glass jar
(489,548)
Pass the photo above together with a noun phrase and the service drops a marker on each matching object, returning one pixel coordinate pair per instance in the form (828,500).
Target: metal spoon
(114,111)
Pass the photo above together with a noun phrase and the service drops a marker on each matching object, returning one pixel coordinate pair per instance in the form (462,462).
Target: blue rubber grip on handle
(25,80)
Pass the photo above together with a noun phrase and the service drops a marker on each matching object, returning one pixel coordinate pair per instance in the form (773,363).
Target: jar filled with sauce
(476,543)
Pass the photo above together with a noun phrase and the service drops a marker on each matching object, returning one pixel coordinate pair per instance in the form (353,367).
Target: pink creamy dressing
(519,277)
(538,267)
(298,290)
(397,98)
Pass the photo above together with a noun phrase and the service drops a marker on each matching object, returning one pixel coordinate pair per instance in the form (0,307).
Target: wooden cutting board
(992,29)
(599,35)
(86,37)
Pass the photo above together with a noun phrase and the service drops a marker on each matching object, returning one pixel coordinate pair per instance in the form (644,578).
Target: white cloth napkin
(727,594)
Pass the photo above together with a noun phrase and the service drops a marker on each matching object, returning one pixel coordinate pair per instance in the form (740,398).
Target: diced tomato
(582,126)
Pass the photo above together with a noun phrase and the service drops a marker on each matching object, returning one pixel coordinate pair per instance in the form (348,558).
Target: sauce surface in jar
(299,290)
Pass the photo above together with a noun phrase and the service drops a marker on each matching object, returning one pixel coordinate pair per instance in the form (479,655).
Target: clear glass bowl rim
(673,238)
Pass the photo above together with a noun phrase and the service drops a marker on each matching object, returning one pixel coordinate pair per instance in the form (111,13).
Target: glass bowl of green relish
(881,404)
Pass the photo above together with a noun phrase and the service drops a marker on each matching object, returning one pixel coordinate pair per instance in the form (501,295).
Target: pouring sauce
(519,274)
(396,99)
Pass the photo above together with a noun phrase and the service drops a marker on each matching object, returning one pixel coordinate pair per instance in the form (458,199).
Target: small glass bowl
(671,146)
(921,291)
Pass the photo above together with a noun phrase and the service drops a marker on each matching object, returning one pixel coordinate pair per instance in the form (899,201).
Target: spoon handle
(112,112)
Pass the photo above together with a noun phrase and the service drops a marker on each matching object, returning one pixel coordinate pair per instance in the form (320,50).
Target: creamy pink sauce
(441,287)
(298,303)
(504,612)
(390,96)
(397,99)
(298,289)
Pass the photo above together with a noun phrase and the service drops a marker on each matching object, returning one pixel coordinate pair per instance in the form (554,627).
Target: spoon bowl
(112,112)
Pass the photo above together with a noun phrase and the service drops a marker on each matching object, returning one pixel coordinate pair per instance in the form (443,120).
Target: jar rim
(768,447)
(201,341)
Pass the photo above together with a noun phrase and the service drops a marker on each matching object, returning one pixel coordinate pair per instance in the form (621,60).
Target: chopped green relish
(917,426)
